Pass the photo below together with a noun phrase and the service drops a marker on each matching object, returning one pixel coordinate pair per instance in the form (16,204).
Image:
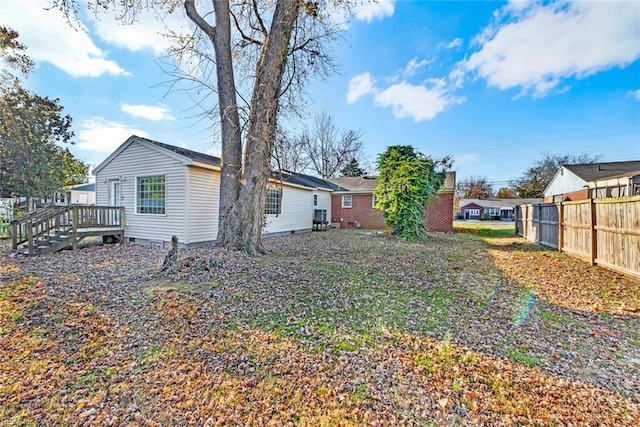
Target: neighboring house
(594,181)
(168,190)
(498,209)
(353,206)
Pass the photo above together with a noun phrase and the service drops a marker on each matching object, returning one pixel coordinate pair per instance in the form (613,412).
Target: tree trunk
(247,216)
(231,166)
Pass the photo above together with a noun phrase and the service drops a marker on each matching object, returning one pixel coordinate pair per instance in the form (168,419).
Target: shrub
(485,216)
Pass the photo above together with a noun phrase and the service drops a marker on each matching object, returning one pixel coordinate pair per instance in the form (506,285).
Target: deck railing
(74,221)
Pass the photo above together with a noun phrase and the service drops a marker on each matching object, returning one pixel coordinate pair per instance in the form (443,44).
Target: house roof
(366,184)
(193,155)
(363,183)
(597,171)
(305,180)
(187,157)
(499,203)
(84,187)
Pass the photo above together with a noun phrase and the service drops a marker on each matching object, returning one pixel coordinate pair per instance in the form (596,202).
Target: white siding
(138,160)
(324,202)
(83,197)
(203,199)
(296,214)
(564,182)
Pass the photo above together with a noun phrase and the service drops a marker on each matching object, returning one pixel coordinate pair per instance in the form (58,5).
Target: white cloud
(149,112)
(50,38)
(146,32)
(635,94)
(419,102)
(413,67)
(359,86)
(455,43)
(368,10)
(102,135)
(534,46)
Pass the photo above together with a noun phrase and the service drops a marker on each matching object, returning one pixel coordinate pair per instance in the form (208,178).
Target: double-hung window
(150,195)
(273,203)
(347,201)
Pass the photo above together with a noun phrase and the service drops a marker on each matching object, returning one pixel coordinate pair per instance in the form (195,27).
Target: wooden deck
(58,227)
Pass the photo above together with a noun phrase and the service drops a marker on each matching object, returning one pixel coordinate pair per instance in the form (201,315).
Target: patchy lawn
(338,327)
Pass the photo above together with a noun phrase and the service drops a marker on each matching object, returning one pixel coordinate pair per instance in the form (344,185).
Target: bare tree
(279,44)
(474,187)
(328,150)
(535,180)
(287,154)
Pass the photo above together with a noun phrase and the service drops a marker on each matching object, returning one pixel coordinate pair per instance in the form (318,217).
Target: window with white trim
(493,211)
(150,195)
(315,200)
(473,212)
(373,201)
(273,203)
(347,201)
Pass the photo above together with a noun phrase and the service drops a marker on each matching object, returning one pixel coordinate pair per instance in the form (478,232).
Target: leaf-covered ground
(333,328)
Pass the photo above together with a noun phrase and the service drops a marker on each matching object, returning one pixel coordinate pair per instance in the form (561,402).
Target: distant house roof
(597,171)
(84,187)
(498,203)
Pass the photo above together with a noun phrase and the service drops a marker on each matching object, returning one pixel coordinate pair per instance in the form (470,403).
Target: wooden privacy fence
(600,231)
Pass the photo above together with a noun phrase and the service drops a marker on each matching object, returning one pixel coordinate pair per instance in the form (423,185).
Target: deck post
(74,236)
(30,238)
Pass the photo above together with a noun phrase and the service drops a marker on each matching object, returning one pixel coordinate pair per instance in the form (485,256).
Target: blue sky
(493,84)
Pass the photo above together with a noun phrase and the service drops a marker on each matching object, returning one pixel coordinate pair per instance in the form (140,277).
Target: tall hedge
(408,182)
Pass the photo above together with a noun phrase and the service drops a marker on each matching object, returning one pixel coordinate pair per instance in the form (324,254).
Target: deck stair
(59,227)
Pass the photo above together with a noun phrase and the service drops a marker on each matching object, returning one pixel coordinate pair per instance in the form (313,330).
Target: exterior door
(115,198)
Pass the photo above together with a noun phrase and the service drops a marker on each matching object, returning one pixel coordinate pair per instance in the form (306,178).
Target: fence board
(601,231)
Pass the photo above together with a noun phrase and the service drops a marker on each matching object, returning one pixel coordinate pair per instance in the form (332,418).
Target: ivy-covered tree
(352,169)
(408,182)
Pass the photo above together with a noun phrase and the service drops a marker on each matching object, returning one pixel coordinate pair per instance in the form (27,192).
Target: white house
(168,190)
(594,180)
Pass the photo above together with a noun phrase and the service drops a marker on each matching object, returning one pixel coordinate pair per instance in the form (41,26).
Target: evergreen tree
(352,169)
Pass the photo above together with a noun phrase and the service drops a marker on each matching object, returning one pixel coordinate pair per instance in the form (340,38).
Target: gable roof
(187,157)
(597,171)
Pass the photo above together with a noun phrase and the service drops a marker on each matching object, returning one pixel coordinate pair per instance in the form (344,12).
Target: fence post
(560,226)
(594,237)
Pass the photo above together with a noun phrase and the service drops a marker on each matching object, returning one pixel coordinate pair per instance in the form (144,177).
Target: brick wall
(360,211)
(439,215)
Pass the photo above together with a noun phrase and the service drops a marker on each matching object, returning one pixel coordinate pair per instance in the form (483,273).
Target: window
(315,200)
(493,211)
(273,203)
(150,195)
(373,201)
(473,212)
(346,201)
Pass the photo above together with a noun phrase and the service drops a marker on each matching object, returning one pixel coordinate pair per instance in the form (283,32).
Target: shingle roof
(193,155)
(368,183)
(597,171)
(356,183)
(305,180)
